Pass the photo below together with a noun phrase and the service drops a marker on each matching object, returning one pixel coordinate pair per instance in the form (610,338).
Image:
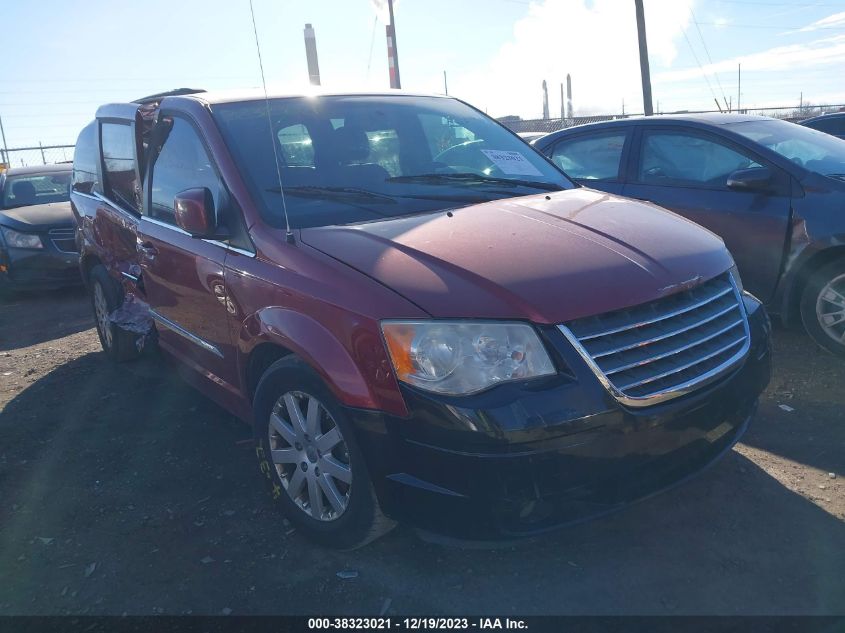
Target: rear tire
(823,307)
(336,507)
(106,296)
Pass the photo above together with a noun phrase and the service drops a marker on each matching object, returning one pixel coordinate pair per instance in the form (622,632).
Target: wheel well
(88,262)
(259,360)
(817,261)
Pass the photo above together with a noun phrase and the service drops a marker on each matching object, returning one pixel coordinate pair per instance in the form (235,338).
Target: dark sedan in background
(774,191)
(832,123)
(37,229)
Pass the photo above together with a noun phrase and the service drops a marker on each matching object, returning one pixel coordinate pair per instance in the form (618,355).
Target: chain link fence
(546,126)
(41,155)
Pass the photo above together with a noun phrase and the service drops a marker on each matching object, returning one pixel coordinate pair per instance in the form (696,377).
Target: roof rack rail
(169,93)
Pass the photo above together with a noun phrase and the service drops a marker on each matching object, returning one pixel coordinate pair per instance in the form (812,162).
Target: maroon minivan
(422,318)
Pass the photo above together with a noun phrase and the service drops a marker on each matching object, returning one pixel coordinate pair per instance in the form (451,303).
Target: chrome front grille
(63,239)
(667,348)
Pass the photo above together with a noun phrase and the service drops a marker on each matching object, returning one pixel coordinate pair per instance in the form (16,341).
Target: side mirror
(753,179)
(195,214)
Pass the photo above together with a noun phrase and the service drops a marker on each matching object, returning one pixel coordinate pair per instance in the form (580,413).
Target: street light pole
(644,71)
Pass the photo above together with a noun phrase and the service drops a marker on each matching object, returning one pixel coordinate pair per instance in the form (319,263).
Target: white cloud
(835,20)
(780,58)
(595,42)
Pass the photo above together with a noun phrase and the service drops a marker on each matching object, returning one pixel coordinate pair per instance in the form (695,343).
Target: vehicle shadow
(46,316)
(802,413)
(124,490)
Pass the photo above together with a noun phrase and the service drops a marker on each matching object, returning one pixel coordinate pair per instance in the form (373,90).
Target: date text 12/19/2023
(416,623)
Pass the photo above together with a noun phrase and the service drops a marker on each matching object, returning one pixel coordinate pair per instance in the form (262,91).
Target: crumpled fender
(359,377)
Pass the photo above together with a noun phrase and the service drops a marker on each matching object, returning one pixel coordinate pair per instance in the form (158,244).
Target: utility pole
(311,55)
(738,87)
(7,158)
(644,71)
(445,85)
(392,50)
(568,96)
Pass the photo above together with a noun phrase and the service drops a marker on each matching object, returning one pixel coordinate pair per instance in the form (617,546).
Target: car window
(29,189)
(119,170)
(373,157)
(296,146)
(830,124)
(85,158)
(676,158)
(183,163)
(594,157)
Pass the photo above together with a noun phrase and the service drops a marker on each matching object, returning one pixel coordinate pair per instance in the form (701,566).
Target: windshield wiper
(318,191)
(837,176)
(470,177)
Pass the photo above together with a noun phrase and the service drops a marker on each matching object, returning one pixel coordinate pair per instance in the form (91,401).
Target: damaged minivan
(422,318)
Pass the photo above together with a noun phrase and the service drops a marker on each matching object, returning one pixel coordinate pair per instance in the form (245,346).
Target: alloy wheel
(101,312)
(310,455)
(830,309)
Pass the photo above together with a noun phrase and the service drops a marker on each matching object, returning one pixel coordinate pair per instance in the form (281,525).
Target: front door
(182,275)
(686,171)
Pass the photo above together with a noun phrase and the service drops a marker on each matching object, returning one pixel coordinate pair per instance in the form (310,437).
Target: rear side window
(595,157)
(85,159)
(119,170)
(181,164)
(675,158)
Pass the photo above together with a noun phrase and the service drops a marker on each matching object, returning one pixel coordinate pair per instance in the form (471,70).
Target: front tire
(823,307)
(106,296)
(309,457)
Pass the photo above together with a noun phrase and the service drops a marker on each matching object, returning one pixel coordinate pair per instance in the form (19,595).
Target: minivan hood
(38,217)
(545,258)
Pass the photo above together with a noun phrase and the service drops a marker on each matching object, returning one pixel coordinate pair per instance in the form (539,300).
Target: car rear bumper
(520,460)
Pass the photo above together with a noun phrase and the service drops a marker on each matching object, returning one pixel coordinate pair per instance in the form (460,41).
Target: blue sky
(62,59)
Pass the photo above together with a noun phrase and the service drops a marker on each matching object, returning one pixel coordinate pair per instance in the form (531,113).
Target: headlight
(459,358)
(15,239)
(737,278)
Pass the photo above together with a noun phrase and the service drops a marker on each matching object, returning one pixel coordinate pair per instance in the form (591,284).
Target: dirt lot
(122,490)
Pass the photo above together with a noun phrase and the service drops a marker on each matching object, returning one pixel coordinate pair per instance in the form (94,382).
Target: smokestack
(545,100)
(311,55)
(562,103)
(568,96)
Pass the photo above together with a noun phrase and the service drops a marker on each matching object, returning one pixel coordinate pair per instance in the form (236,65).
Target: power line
(783,4)
(703,74)
(709,59)
(767,26)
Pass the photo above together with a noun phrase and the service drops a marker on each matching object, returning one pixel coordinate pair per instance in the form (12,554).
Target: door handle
(148,251)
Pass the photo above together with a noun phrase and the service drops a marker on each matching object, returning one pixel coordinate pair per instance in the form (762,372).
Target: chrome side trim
(170,325)
(173,227)
(677,390)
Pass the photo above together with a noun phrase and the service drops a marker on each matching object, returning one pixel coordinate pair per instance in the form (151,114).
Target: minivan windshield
(808,148)
(347,159)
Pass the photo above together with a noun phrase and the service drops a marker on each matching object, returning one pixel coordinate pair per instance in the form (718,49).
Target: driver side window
(182,163)
(679,159)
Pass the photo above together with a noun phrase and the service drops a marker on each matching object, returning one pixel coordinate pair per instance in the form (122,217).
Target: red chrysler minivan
(422,318)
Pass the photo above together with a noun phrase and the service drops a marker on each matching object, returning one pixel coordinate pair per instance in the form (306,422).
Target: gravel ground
(122,490)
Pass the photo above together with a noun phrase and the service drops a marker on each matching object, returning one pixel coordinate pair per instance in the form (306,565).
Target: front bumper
(38,269)
(525,458)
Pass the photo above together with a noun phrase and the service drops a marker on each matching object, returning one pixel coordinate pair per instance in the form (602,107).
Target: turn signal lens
(460,358)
